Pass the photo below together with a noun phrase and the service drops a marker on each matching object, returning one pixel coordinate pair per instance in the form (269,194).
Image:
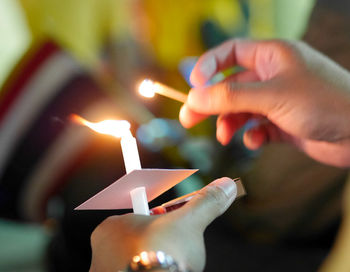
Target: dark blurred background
(87,57)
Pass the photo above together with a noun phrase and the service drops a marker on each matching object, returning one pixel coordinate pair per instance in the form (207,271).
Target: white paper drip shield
(117,195)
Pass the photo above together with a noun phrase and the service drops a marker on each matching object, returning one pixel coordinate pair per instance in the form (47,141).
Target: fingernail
(208,67)
(227,185)
(182,113)
(219,133)
(157,210)
(183,117)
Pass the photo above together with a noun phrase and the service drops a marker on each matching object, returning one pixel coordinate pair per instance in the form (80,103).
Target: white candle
(121,129)
(139,201)
(132,162)
(130,153)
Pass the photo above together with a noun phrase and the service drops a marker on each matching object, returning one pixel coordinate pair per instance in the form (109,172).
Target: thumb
(209,203)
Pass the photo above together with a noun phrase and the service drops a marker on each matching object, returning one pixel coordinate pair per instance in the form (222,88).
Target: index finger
(228,54)
(265,58)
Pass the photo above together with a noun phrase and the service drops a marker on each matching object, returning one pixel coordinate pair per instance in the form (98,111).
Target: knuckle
(215,196)
(227,44)
(227,94)
(102,228)
(93,237)
(109,225)
(96,234)
(291,51)
(285,47)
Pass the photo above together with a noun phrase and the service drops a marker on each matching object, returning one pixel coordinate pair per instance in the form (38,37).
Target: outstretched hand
(178,233)
(297,94)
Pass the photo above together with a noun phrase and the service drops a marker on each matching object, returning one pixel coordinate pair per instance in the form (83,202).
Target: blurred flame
(147,88)
(116,128)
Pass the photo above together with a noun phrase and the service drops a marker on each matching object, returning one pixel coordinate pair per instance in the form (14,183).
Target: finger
(254,138)
(234,97)
(336,154)
(189,118)
(224,56)
(263,132)
(244,76)
(263,57)
(227,125)
(209,203)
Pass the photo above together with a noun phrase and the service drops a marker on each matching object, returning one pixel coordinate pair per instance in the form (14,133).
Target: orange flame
(116,128)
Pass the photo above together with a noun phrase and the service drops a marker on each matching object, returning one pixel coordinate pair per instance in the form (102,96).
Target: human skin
(178,233)
(305,98)
(302,97)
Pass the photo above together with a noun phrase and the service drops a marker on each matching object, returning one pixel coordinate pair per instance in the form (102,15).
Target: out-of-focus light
(144,258)
(136,259)
(160,127)
(199,151)
(160,133)
(160,256)
(144,136)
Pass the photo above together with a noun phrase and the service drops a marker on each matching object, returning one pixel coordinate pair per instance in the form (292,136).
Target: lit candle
(148,88)
(121,129)
(130,152)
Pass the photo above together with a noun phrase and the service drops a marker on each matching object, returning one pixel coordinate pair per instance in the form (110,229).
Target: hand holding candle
(179,233)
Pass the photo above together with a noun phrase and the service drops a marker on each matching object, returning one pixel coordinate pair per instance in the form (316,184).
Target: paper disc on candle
(116,196)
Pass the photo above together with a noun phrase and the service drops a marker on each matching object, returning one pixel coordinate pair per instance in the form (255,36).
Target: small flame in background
(147,88)
(116,128)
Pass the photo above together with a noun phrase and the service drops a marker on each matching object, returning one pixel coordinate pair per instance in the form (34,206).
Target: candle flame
(116,128)
(147,88)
